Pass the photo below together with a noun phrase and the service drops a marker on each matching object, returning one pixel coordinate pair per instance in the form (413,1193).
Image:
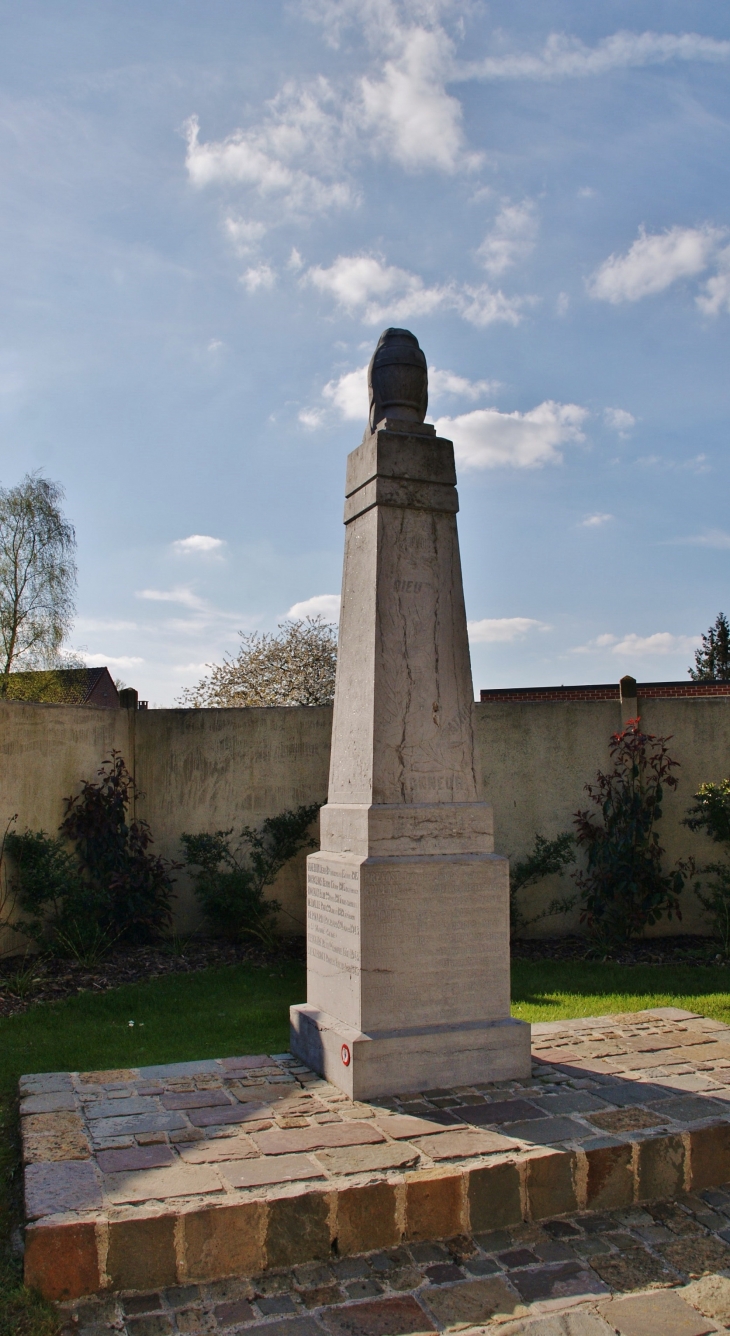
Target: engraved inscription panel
(333,913)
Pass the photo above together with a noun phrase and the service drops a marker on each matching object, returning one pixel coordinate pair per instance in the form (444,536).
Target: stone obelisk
(407,904)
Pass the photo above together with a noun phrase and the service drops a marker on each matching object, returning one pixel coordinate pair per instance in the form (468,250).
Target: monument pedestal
(407,903)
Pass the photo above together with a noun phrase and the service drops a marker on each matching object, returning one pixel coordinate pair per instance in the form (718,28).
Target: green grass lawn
(242,1009)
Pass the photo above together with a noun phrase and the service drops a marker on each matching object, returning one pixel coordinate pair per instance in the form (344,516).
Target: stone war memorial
(388,1176)
(407,903)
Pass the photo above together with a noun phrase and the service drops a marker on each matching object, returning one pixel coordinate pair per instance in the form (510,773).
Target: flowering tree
(294,667)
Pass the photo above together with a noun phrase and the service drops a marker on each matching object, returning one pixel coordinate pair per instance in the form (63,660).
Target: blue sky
(211,210)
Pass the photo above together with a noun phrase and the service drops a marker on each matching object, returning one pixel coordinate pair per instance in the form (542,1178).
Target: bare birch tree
(294,667)
(37,576)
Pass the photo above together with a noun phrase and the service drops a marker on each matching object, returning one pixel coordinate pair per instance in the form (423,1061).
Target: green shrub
(711,813)
(106,887)
(624,887)
(230,882)
(548,858)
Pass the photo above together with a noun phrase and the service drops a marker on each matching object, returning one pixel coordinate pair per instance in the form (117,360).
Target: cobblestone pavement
(660,1270)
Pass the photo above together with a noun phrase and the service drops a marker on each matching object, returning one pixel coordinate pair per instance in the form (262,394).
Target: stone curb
(149,1248)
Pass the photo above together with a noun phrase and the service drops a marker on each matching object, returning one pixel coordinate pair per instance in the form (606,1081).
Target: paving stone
(689,1109)
(367,1159)
(634,1269)
(576,1323)
(500,1111)
(142,1303)
(322,1295)
(401,1316)
(555,1252)
(224,1117)
(168,1070)
(363,1289)
(429,1252)
(45,1083)
(547,1131)
(566,1279)
(248,1173)
(237,1147)
(277,1305)
(494,1196)
(182,1294)
(472,1302)
(516,1257)
(629,1119)
(115,1076)
(179,1180)
(461,1145)
(711,1295)
(195,1322)
(351,1268)
(248,1063)
(560,1229)
(442,1273)
(194,1099)
(571,1101)
(142,1122)
(46,1146)
(678,1220)
(694,1256)
(51,1102)
(405,1278)
(297,1229)
(403,1126)
(384,1262)
(481,1266)
(136,1157)
(635,1092)
(353,1133)
(121,1108)
(649,1314)
(292,1326)
(159,1325)
(61,1186)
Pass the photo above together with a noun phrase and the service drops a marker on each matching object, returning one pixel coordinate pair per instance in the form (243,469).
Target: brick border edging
(135,1251)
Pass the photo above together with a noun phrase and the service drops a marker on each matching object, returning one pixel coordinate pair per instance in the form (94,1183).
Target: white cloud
(244,234)
(109,660)
(716,296)
(511,239)
(262,276)
(349,394)
(413,117)
(486,438)
(716,538)
(103,624)
(562,304)
(311,418)
(501,630)
(441,383)
(567,57)
(378,291)
(660,645)
(619,420)
(180,594)
(321,605)
(654,262)
(289,159)
(197,543)
(295,260)
(595,521)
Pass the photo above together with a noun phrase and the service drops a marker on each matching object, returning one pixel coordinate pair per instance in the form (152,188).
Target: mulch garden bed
(27,980)
(679,950)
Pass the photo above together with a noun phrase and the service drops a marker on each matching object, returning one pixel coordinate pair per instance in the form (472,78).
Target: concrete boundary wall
(215,769)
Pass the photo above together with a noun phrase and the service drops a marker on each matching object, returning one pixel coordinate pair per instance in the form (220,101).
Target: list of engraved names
(333,929)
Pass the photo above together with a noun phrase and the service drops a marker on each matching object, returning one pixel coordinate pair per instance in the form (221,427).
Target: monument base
(411,1059)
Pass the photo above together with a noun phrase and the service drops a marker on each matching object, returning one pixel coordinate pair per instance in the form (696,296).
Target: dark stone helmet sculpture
(397,379)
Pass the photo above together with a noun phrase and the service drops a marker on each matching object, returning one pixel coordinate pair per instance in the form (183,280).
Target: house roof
(58,686)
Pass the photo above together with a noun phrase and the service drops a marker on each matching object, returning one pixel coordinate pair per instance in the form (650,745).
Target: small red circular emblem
(345,1055)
